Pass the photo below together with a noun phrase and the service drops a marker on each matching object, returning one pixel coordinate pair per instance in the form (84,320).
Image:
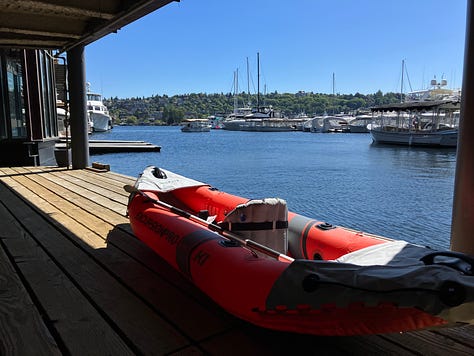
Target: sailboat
(234,120)
(261,118)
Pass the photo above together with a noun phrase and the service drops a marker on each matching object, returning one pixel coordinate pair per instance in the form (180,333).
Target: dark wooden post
(77,104)
(462,236)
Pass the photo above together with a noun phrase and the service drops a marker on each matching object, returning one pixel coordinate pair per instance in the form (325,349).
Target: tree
(200,105)
(131,120)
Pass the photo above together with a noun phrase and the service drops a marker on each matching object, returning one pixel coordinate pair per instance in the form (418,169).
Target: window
(47,93)
(3,109)
(16,106)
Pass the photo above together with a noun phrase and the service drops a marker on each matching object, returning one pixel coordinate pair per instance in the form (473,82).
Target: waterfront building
(28,123)
(33,35)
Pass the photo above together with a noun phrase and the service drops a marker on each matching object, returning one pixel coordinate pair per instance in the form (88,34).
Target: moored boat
(359,124)
(283,271)
(424,123)
(98,112)
(195,125)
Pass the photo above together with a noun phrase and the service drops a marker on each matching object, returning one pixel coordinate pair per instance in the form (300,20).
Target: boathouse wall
(28,122)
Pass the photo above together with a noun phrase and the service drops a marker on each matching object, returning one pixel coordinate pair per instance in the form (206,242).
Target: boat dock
(116,146)
(74,280)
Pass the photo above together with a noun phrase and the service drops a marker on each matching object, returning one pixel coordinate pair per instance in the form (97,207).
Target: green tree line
(169,110)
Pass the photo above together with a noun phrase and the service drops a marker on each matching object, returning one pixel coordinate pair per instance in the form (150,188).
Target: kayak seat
(264,221)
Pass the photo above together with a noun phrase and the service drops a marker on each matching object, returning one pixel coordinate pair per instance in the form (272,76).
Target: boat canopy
(419,105)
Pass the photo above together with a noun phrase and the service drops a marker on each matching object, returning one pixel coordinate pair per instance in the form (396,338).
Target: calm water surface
(399,192)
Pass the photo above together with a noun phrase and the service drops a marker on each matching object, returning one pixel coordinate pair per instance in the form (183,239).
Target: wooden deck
(74,280)
(116,146)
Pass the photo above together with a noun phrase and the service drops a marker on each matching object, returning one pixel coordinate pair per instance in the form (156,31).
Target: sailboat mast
(333,83)
(401,86)
(333,93)
(258,81)
(248,80)
(235,91)
(237,81)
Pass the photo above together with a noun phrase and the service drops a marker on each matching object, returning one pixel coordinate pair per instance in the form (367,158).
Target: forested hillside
(168,110)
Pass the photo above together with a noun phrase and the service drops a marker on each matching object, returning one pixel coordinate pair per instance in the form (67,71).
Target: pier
(75,280)
(116,146)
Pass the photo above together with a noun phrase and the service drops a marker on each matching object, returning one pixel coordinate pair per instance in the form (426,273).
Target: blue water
(398,192)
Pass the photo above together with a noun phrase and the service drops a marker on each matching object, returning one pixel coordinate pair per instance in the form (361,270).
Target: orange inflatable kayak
(283,271)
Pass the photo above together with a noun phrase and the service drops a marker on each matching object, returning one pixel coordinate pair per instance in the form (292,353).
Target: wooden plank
(247,339)
(98,191)
(100,179)
(103,180)
(118,195)
(134,319)
(103,201)
(122,241)
(22,330)
(103,146)
(171,303)
(177,308)
(78,326)
(77,200)
(230,335)
(462,334)
(430,343)
(122,178)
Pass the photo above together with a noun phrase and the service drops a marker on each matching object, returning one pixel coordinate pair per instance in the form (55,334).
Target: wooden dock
(74,280)
(116,146)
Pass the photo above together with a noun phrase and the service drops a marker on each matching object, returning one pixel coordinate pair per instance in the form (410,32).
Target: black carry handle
(467,267)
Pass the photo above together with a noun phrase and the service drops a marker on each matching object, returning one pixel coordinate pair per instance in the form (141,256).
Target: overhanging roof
(64,24)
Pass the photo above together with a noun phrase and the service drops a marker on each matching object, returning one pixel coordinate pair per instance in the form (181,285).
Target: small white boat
(195,125)
(359,124)
(335,123)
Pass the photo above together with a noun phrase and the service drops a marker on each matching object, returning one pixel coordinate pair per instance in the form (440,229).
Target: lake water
(399,192)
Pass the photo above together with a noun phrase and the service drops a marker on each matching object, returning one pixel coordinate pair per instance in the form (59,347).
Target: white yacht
(98,112)
(437,91)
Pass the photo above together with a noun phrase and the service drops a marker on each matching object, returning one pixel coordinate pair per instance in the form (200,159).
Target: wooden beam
(42,33)
(47,8)
(31,43)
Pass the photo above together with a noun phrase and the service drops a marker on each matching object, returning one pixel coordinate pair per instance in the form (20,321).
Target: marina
(80,281)
(343,179)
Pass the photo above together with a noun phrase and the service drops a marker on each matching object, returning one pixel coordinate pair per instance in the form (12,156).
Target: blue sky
(195,46)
